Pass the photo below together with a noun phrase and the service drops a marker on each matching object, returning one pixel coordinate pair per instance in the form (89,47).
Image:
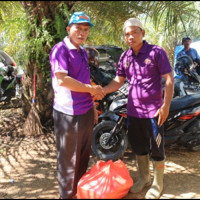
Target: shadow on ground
(28,166)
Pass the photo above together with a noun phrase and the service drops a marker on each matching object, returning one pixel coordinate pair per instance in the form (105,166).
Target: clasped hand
(97,92)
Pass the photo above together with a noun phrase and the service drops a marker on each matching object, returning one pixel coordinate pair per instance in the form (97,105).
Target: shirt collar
(142,50)
(69,44)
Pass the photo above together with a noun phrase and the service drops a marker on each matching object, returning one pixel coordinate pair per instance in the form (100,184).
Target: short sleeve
(121,69)
(58,59)
(163,62)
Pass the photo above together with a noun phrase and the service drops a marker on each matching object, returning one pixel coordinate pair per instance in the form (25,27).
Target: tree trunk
(37,11)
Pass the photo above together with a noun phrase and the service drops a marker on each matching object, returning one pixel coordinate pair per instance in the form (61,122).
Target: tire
(112,152)
(1,92)
(10,93)
(192,142)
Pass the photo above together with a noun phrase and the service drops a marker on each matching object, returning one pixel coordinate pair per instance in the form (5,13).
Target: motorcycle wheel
(108,152)
(191,142)
(9,95)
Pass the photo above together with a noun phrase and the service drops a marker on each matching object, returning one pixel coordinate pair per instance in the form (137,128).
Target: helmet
(93,55)
(183,62)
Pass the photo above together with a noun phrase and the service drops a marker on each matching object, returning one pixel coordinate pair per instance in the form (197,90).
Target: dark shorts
(146,137)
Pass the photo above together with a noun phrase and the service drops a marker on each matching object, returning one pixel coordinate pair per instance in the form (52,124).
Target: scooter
(10,81)
(182,127)
(187,79)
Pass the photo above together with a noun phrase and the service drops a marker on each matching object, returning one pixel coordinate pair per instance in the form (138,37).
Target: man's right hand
(97,92)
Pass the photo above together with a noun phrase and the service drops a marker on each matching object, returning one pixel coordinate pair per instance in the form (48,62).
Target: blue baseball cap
(79,17)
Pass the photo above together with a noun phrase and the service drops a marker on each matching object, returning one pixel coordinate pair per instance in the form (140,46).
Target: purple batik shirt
(65,58)
(144,74)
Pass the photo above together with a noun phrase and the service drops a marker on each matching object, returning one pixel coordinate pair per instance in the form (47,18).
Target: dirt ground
(28,165)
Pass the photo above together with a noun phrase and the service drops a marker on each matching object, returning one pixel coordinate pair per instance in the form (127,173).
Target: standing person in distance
(73,109)
(144,65)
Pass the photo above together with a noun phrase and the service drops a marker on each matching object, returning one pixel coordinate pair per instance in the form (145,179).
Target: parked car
(108,56)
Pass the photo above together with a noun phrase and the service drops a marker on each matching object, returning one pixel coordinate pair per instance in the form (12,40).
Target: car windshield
(104,56)
(115,53)
(108,52)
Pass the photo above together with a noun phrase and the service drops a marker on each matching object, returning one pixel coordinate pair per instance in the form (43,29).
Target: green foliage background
(166,22)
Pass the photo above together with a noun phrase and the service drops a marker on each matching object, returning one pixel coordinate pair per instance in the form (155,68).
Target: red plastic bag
(105,180)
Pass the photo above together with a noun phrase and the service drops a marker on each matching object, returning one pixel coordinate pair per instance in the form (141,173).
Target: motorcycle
(100,77)
(187,79)
(10,81)
(182,127)
(103,76)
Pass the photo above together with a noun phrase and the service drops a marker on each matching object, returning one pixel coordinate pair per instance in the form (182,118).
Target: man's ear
(143,33)
(68,29)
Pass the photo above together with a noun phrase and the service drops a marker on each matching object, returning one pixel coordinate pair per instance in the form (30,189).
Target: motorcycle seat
(184,102)
(7,79)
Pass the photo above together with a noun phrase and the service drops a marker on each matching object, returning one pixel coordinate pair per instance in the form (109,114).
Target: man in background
(187,50)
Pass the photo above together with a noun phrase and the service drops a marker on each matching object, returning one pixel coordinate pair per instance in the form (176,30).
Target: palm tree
(46,21)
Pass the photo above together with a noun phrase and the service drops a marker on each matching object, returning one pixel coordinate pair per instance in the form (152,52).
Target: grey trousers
(73,142)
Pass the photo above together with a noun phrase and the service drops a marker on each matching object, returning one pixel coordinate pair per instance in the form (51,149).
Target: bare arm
(114,85)
(76,86)
(163,112)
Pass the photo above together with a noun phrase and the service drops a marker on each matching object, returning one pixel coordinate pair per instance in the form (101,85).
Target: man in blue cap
(74,113)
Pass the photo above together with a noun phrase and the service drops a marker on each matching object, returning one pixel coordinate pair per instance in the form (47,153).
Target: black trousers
(73,142)
(146,137)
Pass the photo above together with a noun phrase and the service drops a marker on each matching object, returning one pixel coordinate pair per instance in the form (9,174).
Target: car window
(104,56)
(115,53)
(107,52)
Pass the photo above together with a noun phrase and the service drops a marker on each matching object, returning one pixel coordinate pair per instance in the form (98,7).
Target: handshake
(97,92)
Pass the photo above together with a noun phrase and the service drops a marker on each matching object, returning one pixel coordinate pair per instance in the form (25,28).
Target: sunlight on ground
(171,167)
(28,170)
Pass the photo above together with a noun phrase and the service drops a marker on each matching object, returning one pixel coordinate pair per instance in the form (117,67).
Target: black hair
(185,38)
